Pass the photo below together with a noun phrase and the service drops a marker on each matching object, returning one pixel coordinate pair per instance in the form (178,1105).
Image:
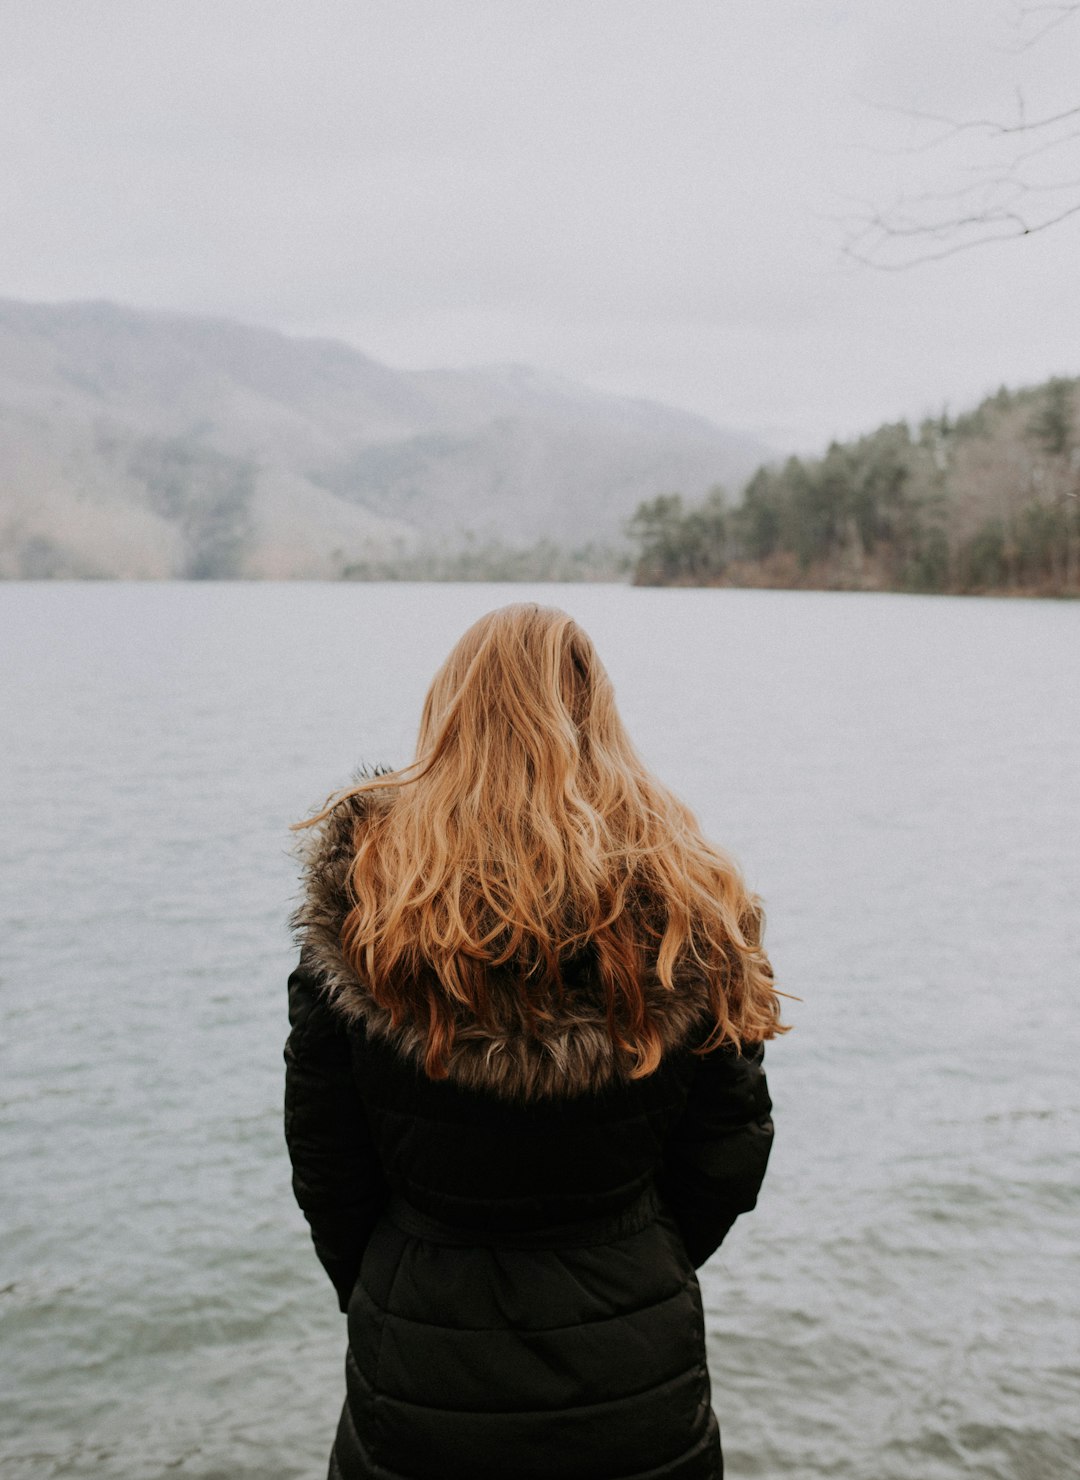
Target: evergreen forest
(986,502)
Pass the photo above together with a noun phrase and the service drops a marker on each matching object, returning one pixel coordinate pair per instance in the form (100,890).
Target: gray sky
(637,193)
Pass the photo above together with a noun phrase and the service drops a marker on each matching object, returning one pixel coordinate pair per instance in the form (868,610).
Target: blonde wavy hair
(527,832)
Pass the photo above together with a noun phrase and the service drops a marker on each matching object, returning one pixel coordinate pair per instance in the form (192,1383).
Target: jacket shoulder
(325,852)
(512,1053)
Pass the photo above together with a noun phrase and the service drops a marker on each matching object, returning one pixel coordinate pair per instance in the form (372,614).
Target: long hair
(528,834)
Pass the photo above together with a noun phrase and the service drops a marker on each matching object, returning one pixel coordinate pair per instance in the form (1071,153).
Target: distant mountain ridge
(136,443)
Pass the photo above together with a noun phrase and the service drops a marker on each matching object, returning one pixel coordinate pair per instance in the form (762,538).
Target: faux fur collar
(570,1055)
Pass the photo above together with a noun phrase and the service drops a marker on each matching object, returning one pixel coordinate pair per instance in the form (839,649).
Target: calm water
(900,777)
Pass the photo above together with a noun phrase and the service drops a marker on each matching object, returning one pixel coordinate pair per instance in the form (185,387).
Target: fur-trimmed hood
(569,1054)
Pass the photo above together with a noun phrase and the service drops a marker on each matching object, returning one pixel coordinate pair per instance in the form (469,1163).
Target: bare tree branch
(884,231)
(955,126)
(1058,15)
(997,174)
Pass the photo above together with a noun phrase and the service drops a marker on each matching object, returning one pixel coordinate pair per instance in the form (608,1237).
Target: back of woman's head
(528,835)
(520,733)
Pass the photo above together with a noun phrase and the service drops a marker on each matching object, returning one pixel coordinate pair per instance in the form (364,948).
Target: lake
(900,778)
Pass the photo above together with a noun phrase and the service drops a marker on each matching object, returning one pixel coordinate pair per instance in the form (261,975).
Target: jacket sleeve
(337,1178)
(716,1153)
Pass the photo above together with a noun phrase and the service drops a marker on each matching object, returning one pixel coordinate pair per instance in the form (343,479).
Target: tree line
(985,502)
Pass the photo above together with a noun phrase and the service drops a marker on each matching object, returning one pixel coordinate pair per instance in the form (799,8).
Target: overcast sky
(640,194)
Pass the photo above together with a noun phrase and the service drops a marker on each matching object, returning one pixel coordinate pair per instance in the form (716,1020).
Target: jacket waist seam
(580,1233)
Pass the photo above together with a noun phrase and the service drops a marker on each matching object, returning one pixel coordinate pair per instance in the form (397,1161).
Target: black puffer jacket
(515,1245)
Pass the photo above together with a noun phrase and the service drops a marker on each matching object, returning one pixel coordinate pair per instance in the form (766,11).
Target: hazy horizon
(644,200)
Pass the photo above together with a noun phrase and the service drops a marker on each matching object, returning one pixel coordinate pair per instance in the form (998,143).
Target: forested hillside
(150,445)
(984,502)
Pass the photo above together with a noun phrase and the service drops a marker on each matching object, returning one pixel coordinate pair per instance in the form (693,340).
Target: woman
(524,1088)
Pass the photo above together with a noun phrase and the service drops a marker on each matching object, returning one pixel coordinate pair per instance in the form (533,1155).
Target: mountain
(146,444)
